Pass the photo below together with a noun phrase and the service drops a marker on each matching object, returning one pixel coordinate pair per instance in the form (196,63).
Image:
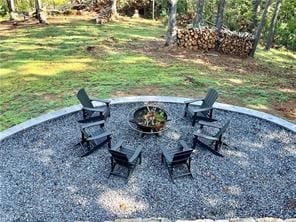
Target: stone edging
(250,219)
(68,110)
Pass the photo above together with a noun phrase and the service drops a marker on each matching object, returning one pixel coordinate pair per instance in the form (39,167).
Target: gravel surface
(44,179)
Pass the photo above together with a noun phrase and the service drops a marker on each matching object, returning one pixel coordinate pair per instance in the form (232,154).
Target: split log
(197,38)
(235,43)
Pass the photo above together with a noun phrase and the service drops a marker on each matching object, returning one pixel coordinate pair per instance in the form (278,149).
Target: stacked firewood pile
(104,15)
(197,38)
(235,43)
(185,19)
(227,42)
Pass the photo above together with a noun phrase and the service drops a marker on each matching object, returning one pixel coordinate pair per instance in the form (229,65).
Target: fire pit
(149,119)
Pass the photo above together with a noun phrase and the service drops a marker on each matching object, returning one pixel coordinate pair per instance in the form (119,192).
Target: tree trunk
(272,24)
(41,15)
(256,4)
(11,8)
(11,5)
(113,8)
(153,9)
(198,19)
(219,20)
(171,35)
(260,28)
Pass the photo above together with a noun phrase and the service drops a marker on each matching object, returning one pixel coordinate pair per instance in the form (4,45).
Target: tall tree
(40,14)
(272,24)
(11,8)
(153,9)
(219,19)
(260,28)
(199,19)
(113,8)
(256,4)
(171,35)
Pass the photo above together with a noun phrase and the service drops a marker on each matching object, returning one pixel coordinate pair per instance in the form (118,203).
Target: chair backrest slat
(210,99)
(84,99)
(119,157)
(223,129)
(181,157)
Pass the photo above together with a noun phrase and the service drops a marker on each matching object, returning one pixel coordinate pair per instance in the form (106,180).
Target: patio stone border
(167,99)
(250,219)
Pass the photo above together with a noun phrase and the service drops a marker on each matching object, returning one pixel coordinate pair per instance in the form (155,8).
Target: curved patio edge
(168,99)
(248,219)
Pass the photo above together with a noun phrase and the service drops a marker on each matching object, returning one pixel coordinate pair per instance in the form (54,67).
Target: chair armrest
(203,109)
(206,136)
(184,145)
(167,154)
(99,136)
(97,109)
(135,155)
(93,124)
(106,101)
(192,101)
(117,145)
(210,124)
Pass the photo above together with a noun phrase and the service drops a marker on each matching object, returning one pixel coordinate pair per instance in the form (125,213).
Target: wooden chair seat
(93,135)
(177,157)
(124,157)
(210,142)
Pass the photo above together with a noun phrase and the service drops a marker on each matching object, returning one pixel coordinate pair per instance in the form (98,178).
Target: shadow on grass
(48,64)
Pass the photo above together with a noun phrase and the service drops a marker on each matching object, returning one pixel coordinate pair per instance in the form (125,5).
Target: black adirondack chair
(211,142)
(174,158)
(124,157)
(205,110)
(88,109)
(93,135)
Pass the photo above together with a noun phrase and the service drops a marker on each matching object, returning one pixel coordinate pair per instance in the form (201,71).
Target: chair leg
(194,142)
(189,164)
(113,164)
(189,167)
(171,173)
(194,119)
(109,113)
(211,113)
(185,110)
(218,144)
(140,158)
(128,172)
(84,115)
(109,142)
(210,148)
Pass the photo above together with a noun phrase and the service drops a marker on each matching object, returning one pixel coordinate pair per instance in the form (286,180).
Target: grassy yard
(42,68)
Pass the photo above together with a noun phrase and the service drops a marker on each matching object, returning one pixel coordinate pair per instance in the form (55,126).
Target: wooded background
(239,15)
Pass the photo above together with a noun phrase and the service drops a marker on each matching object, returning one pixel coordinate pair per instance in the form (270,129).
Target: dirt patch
(209,59)
(287,109)
(48,97)
(10,26)
(53,20)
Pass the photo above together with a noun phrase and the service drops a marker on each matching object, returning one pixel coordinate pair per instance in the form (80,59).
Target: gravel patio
(44,179)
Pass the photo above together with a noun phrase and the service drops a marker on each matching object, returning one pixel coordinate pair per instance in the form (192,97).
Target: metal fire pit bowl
(138,122)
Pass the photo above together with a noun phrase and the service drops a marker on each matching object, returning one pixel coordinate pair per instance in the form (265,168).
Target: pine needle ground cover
(42,68)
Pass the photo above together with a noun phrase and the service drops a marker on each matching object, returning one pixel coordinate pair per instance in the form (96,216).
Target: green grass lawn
(42,68)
